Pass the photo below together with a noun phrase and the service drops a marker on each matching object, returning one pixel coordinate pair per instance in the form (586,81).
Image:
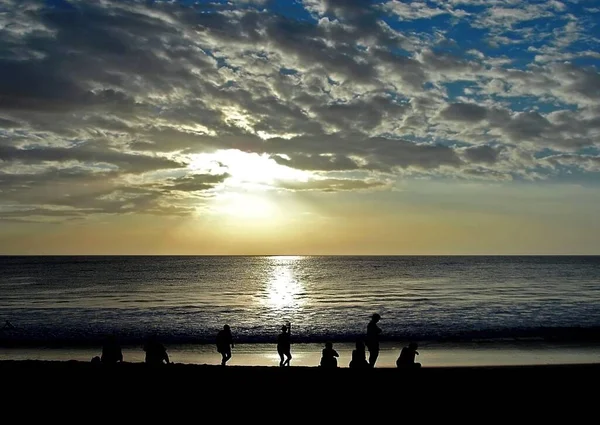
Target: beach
(518,389)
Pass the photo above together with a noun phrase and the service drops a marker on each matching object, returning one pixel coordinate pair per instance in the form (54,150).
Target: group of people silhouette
(156,353)
(359,354)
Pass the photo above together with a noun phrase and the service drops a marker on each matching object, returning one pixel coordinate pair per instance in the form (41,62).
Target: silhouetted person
(328,357)
(224,344)
(407,357)
(373,332)
(359,357)
(111,351)
(156,353)
(284,345)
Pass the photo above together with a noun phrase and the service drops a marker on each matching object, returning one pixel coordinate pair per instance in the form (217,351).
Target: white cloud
(116,97)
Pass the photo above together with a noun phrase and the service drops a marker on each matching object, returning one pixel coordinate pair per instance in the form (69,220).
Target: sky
(289,127)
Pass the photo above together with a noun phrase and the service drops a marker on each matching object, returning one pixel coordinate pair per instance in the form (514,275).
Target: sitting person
(359,357)
(328,359)
(111,351)
(156,353)
(407,357)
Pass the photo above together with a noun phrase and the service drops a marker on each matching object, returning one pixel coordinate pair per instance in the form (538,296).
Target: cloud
(333,185)
(195,183)
(109,102)
(97,155)
(318,162)
(469,112)
(378,153)
(482,154)
(413,10)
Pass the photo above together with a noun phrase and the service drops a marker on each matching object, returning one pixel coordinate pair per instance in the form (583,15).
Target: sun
(246,169)
(252,190)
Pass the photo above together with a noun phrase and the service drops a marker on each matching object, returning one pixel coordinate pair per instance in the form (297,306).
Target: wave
(31,338)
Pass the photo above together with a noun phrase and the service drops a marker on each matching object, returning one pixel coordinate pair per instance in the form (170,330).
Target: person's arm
(335,353)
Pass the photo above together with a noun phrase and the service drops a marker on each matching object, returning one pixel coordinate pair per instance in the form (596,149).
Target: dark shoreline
(42,372)
(138,390)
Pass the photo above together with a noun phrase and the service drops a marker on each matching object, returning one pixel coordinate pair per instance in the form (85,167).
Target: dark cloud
(318,162)
(196,182)
(88,154)
(482,154)
(378,153)
(365,114)
(469,112)
(77,192)
(526,126)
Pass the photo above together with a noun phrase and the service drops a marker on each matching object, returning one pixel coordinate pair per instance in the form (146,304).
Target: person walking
(284,345)
(373,332)
(224,344)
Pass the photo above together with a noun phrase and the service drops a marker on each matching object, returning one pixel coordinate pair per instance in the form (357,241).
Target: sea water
(458,307)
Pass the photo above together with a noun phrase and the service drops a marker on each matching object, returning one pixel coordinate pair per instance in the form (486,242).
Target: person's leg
(373,354)
(289,357)
(281,361)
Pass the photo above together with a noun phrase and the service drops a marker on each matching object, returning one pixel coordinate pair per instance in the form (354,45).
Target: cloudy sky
(300,127)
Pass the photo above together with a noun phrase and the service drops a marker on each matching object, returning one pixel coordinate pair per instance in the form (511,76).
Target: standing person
(156,353)
(328,358)
(359,357)
(224,344)
(373,332)
(111,351)
(407,357)
(284,345)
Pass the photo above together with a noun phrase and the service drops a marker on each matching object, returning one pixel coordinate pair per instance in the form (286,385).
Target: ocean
(65,305)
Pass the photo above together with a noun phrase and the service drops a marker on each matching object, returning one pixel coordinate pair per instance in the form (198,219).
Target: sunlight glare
(246,168)
(283,291)
(245,205)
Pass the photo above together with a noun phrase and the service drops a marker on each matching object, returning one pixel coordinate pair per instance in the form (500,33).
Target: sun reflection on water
(284,292)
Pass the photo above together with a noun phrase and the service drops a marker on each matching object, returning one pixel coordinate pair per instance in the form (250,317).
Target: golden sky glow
(424,128)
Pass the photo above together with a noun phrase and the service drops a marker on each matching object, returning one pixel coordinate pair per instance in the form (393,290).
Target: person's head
(227,328)
(413,346)
(360,345)
(283,328)
(376,317)
(328,344)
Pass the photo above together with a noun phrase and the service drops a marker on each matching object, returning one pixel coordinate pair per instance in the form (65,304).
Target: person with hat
(407,357)
(372,340)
